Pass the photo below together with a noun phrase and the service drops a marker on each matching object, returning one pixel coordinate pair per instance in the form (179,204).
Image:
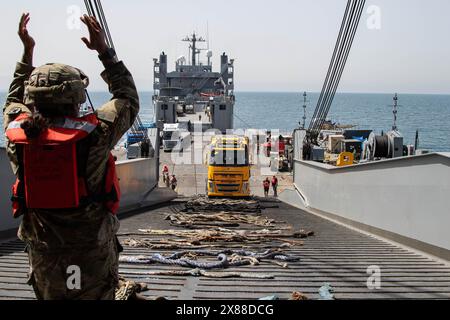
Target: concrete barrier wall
(6,181)
(407,199)
(137,179)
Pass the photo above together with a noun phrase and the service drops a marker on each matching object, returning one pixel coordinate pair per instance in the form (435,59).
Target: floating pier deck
(335,255)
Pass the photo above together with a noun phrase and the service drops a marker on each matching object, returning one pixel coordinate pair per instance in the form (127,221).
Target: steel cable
(350,27)
(341,51)
(332,67)
(95,9)
(341,44)
(341,66)
(319,102)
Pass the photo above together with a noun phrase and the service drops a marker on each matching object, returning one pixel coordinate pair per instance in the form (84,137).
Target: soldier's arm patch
(115,118)
(110,110)
(12,111)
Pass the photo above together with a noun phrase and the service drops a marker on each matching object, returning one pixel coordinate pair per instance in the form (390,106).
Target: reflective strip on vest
(14,125)
(77,125)
(68,124)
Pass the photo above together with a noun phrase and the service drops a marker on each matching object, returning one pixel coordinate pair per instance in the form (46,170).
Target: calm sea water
(265,110)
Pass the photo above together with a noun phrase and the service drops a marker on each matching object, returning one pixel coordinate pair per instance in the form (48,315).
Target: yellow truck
(228,167)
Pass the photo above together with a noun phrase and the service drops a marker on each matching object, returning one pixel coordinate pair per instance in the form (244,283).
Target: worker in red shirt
(165,174)
(275,186)
(266,185)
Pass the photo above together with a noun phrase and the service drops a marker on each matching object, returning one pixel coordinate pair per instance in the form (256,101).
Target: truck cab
(228,167)
(174,136)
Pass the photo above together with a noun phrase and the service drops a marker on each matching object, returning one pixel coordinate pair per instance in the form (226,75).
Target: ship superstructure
(194,92)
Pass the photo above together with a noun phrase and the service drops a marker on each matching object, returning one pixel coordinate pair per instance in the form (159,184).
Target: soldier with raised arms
(66,191)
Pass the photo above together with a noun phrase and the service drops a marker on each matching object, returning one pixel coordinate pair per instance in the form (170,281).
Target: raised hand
(97,39)
(27,40)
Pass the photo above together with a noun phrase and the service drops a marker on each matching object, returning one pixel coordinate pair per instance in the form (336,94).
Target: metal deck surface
(336,254)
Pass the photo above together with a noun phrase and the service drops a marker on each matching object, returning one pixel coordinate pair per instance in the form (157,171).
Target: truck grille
(227,187)
(230,176)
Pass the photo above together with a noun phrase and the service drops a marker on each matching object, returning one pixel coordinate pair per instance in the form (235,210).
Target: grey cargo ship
(193,89)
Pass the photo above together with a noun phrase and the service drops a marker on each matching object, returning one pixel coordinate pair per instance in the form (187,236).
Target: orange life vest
(49,177)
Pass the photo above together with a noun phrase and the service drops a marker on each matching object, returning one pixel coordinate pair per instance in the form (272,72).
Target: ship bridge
(196,77)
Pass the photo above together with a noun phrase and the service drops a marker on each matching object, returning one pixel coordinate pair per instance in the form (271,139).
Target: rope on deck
(226,258)
(208,274)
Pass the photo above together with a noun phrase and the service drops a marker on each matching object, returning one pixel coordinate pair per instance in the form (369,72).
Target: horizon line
(296,92)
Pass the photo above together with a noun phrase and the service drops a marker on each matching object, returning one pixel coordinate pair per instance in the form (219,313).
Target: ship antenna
(208,53)
(416,141)
(193,46)
(304,110)
(207,34)
(395,111)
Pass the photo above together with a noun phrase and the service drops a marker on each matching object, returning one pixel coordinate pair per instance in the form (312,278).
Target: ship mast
(304,111)
(395,111)
(193,46)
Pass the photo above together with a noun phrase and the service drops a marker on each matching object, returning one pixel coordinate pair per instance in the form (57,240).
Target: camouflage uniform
(84,237)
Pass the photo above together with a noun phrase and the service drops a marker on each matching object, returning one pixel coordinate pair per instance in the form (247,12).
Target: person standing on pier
(165,174)
(266,185)
(68,199)
(145,148)
(275,186)
(173,182)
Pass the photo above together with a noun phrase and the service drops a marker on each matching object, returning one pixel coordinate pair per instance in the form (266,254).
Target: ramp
(335,255)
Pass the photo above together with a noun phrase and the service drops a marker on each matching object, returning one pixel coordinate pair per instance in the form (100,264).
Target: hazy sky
(282,45)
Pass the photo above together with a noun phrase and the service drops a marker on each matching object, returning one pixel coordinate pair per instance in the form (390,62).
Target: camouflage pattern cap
(55,83)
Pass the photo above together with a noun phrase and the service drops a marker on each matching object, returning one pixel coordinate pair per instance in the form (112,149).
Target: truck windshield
(171,135)
(229,158)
